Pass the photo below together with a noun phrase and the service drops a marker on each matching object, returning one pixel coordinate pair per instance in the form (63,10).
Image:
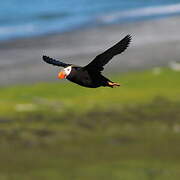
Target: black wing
(106,56)
(54,62)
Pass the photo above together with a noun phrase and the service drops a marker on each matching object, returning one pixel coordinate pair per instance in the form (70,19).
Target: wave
(24,26)
(53,22)
(139,13)
(8,32)
(49,16)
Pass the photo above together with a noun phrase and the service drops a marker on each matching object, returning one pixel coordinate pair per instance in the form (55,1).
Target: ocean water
(20,18)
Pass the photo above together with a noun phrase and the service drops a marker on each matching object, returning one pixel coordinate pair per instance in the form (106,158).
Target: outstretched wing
(54,62)
(106,56)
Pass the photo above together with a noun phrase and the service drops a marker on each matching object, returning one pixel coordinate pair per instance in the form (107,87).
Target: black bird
(90,75)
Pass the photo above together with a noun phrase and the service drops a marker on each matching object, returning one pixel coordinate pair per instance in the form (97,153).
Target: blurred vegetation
(64,131)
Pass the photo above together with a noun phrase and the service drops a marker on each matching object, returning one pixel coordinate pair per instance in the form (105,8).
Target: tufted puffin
(90,75)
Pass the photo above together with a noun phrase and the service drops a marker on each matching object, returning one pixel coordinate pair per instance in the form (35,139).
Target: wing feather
(105,57)
(54,62)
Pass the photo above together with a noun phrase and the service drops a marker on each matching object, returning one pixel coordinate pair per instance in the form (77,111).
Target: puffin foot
(113,84)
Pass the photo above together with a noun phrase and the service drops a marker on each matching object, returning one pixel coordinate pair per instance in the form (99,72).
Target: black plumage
(55,62)
(90,75)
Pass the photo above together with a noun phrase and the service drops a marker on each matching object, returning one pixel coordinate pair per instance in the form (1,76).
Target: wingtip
(128,39)
(45,58)
(129,36)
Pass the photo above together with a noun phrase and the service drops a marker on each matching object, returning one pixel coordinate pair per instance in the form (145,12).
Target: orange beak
(61,75)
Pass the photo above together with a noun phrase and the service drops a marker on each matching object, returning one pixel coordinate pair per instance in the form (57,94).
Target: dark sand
(154,43)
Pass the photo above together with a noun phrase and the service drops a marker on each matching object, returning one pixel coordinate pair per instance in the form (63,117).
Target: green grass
(138,87)
(64,131)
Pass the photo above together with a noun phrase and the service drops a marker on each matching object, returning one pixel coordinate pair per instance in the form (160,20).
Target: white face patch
(67,70)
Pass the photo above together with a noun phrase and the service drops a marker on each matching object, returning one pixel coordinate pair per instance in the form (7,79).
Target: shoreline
(154,43)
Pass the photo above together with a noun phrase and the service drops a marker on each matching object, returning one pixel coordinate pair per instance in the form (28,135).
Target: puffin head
(65,72)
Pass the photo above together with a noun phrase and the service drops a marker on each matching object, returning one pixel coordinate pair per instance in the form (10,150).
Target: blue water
(20,18)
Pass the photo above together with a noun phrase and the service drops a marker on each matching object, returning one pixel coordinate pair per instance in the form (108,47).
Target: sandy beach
(154,43)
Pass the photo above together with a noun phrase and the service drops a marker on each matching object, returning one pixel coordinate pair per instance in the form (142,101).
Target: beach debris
(176,128)
(25,107)
(174,65)
(156,70)
(51,103)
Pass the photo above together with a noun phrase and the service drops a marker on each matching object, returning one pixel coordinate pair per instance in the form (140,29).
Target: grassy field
(64,131)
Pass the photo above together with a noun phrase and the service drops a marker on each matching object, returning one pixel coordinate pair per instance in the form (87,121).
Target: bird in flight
(90,75)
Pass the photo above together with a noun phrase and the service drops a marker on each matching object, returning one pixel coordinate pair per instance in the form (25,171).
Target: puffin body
(90,75)
(87,78)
